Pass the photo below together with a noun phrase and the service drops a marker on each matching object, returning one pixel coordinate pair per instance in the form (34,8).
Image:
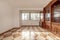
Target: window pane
(35,16)
(41,16)
(25,16)
(47,16)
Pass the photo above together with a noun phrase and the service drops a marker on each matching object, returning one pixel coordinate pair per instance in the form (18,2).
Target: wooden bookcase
(50,13)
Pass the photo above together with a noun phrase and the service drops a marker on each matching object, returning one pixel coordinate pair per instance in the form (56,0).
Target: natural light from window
(32,16)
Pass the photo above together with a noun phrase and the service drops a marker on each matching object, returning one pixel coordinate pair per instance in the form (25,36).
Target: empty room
(29,19)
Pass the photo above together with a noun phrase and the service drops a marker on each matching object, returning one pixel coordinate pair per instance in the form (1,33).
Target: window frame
(29,18)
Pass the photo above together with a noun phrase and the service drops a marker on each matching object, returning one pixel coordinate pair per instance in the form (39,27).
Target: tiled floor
(30,33)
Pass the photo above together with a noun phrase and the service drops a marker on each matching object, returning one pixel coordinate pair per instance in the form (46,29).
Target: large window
(35,16)
(25,16)
(31,16)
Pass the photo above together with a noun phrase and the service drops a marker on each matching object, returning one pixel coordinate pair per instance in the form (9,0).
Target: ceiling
(28,3)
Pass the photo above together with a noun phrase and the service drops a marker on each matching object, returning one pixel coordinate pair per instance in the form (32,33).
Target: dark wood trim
(50,3)
(50,9)
(43,23)
(50,25)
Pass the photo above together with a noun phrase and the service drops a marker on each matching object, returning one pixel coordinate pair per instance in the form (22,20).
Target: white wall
(29,3)
(30,22)
(9,16)
(16,18)
(6,16)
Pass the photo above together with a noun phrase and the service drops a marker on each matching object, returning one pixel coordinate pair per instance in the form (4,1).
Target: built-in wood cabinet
(52,17)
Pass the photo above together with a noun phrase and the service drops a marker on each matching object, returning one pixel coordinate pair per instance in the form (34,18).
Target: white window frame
(31,14)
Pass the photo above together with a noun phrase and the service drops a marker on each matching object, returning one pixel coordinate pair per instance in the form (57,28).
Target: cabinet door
(57,17)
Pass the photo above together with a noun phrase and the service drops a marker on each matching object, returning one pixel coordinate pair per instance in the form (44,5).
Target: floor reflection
(31,33)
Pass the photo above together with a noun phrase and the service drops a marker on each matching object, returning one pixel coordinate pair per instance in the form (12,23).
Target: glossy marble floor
(30,33)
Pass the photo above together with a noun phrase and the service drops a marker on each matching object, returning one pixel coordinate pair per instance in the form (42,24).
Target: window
(47,16)
(35,16)
(41,16)
(30,16)
(25,16)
